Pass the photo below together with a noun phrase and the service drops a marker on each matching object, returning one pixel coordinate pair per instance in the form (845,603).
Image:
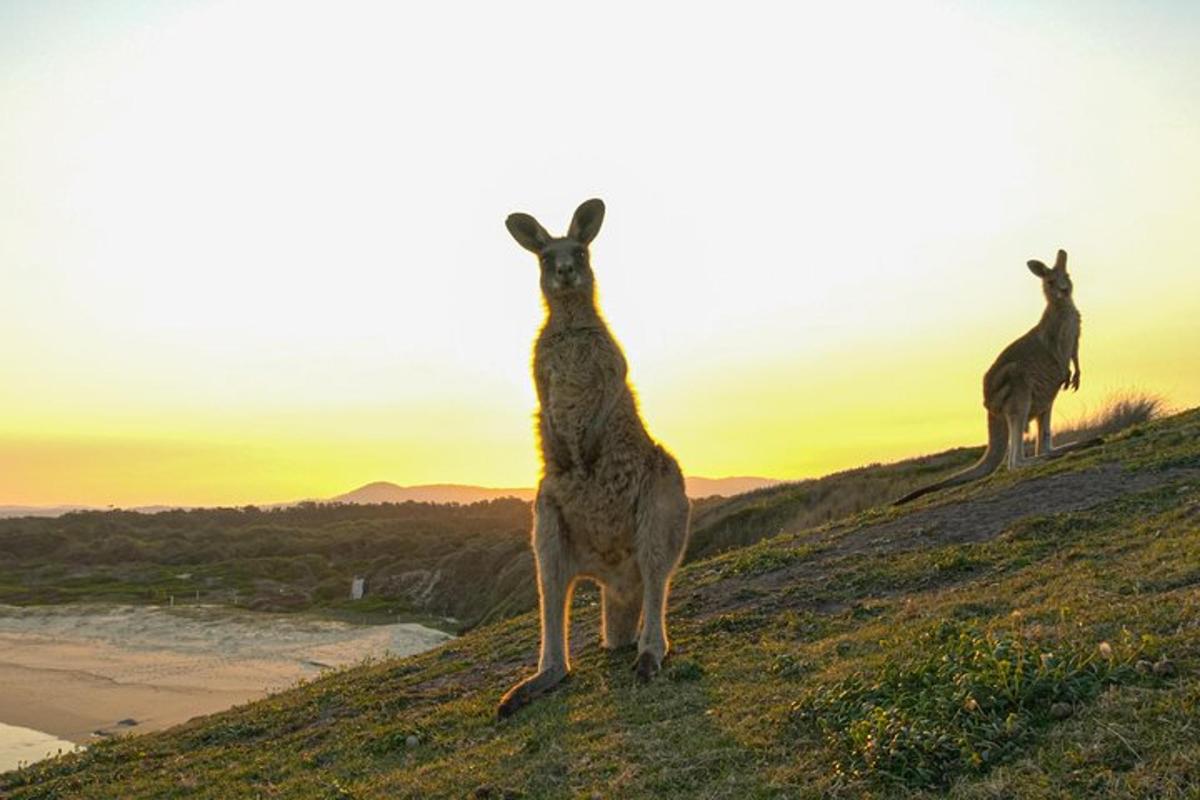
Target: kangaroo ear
(1060,261)
(586,222)
(1038,268)
(528,233)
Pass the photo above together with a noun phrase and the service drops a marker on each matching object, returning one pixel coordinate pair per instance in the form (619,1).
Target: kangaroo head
(1056,283)
(566,267)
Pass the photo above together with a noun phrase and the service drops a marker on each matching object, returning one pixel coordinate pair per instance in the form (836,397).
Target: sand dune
(81,672)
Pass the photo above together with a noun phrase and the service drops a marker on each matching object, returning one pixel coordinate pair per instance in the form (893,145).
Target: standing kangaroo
(1025,379)
(611,505)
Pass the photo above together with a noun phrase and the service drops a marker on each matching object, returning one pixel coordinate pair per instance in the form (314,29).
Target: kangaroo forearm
(554,449)
(595,427)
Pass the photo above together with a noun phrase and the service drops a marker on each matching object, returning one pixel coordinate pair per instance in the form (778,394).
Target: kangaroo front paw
(646,666)
(529,690)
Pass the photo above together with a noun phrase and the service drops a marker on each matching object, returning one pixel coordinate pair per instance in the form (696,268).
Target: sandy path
(73,672)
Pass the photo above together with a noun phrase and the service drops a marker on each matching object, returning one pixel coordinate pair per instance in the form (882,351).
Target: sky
(254,251)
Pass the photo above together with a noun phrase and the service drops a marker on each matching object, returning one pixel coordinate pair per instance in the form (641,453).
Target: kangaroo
(610,505)
(1024,381)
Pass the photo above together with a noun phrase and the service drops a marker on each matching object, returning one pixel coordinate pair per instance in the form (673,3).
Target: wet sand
(78,673)
(24,746)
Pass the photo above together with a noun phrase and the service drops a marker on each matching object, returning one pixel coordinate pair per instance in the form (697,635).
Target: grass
(967,699)
(955,648)
(1118,413)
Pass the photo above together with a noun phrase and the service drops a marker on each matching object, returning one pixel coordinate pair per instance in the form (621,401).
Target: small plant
(966,701)
(685,670)
(763,557)
(788,666)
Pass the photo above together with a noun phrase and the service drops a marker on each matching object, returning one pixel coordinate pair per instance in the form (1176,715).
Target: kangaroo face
(1056,283)
(566,266)
(1057,287)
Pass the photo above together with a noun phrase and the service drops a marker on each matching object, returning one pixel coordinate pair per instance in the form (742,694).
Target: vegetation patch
(966,700)
(761,558)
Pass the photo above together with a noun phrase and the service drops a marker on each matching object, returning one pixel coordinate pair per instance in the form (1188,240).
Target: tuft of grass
(1118,413)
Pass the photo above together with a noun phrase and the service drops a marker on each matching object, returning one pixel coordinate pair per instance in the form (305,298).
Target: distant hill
(10,512)
(37,511)
(387,492)
(725,487)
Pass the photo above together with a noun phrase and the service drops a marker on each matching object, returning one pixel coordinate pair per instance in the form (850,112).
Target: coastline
(82,673)
(24,746)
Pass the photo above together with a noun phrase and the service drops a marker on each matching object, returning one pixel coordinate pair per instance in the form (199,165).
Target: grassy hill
(1035,635)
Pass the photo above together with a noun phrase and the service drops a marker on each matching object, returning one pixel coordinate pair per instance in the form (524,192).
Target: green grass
(885,656)
(965,700)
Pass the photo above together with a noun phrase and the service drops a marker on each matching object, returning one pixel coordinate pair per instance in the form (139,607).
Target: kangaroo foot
(529,690)
(646,666)
(1058,452)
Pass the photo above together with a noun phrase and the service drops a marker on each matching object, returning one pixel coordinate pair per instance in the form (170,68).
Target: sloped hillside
(1035,635)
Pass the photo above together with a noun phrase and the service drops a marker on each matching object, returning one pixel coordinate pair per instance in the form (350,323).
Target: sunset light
(254,252)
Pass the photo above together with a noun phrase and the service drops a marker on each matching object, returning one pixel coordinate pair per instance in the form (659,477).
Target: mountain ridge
(388,492)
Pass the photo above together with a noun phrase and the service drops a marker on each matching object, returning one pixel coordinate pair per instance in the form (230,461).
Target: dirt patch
(954,522)
(987,517)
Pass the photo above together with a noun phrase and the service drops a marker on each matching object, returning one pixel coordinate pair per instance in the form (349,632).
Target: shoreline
(83,673)
(20,745)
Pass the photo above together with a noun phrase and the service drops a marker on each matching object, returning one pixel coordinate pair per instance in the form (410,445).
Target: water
(25,745)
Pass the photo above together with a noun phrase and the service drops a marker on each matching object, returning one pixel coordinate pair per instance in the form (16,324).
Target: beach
(79,673)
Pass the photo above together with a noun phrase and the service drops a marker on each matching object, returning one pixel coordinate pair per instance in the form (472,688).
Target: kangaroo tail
(994,454)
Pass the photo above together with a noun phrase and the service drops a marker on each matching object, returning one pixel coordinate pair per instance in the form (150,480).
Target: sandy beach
(77,673)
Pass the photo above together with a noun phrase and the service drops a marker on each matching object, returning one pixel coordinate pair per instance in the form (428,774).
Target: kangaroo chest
(577,375)
(1058,341)
(580,378)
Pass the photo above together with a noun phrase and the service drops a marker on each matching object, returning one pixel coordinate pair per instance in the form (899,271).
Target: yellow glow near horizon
(254,251)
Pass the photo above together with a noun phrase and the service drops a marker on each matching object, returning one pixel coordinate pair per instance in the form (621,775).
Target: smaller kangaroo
(610,505)
(1024,381)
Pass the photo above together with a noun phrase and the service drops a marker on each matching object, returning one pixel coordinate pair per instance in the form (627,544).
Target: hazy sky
(254,251)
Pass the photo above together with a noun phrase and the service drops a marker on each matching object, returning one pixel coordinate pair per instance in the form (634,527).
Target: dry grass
(1118,413)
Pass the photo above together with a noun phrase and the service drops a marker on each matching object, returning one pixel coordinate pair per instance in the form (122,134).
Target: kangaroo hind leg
(661,537)
(1017,416)
(555,581)
(621,609)
(1044,445)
